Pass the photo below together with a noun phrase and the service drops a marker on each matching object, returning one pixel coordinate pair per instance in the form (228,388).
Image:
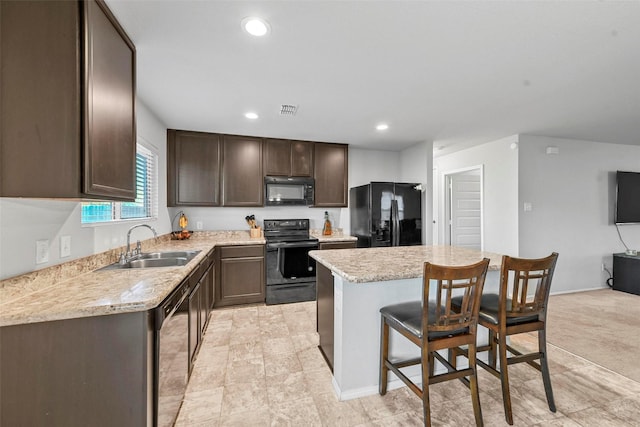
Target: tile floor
(260,366)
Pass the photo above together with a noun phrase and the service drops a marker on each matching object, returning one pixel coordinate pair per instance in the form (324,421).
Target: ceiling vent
(288,110)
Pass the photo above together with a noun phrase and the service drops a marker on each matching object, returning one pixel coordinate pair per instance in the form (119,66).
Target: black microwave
(284,191)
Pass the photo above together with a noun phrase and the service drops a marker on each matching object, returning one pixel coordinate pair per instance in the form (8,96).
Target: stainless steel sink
(155,262)
(156,259)
(163,255)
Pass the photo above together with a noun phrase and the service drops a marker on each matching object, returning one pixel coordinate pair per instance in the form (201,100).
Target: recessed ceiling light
(382,126)
(251,116)
(256,26)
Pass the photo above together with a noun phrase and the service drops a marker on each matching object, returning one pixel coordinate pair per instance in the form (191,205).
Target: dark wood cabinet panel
(241,275)
(301,158)
(336,245)
(277,157)
(193,168)
(91,371)
(288,158)
(331,175)
(242,178)
(57,112)
(109,106)
(324,312)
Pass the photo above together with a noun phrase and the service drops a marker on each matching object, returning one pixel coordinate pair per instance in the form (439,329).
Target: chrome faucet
(138,248)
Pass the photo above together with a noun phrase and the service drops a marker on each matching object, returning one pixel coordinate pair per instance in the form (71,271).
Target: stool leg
(427,367)
(384,354)
(504,378)
(473,383)
(492,349)
(544,367)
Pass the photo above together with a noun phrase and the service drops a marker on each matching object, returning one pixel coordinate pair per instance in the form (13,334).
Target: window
(146,203)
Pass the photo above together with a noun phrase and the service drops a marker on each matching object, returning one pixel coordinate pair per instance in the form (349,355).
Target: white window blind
(146,203)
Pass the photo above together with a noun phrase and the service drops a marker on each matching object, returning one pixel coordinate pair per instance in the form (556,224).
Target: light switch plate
(65,246)
(528,207)
(42,251)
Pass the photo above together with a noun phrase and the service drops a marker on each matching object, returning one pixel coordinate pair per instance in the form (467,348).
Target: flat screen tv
(627,197)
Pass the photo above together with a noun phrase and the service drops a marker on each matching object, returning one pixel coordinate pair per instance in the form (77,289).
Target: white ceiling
(452,72)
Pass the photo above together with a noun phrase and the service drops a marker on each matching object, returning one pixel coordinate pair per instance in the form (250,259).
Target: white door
(464,208)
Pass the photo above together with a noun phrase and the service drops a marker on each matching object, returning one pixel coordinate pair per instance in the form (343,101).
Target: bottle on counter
(326,230)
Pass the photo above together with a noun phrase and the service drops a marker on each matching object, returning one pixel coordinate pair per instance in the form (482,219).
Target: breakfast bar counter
(352,286)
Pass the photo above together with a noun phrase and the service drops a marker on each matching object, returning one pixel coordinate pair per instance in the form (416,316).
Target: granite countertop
(399,262)
(76,289)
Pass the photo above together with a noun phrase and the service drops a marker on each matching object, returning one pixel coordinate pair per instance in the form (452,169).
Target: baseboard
(572,291)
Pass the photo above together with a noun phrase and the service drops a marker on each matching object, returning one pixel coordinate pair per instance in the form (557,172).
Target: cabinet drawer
(337,245)
(242,251)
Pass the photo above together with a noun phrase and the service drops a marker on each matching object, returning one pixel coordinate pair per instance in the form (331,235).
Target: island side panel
(78,372)
(324,316)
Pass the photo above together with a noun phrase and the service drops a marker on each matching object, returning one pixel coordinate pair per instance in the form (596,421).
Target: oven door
(291,272)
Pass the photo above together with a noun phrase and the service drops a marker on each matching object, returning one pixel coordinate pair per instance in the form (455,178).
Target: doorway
(464,208)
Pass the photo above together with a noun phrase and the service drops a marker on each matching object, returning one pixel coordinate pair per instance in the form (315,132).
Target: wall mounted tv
(627,197)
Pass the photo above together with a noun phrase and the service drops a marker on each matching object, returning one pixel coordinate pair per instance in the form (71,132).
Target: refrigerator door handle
(395,231)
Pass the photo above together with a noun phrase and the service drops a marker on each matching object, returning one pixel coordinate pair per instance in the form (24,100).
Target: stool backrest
(466,281)
(527,283)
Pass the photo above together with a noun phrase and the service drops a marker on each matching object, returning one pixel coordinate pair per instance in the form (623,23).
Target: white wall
(572,196)
(500,192)
(24,221)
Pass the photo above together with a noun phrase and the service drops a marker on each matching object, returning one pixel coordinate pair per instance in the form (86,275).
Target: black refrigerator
(386,214)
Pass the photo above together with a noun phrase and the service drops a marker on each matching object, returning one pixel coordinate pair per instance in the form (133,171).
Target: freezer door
(382,197)
(408,224)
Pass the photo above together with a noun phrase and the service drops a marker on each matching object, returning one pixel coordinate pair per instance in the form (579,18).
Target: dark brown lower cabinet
(92,371)
(200,304)
(241,275)
(324,309)
(337,245)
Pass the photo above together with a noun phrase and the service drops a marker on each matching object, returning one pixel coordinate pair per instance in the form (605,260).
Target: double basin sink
(157,259)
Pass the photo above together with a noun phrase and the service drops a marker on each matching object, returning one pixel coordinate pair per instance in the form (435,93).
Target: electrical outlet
(65,246)
(602,267)
(198,225)
(42,251)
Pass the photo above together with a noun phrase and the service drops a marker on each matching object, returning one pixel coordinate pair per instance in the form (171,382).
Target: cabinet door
(193,168)
(277,157)
(109,101)
(242,177)
(331,175)
(242,281)
(301,158)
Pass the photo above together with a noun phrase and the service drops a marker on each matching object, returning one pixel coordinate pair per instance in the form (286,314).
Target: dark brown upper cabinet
(242,177)
(193,168)
(68,97)
(330,171)
(283,157)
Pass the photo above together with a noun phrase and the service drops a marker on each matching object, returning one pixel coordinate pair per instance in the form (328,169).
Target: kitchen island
(353,284)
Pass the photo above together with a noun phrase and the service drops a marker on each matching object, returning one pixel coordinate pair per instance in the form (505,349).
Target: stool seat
(408,316)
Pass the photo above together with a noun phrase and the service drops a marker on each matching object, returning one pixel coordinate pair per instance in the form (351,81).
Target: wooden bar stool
(433,326)
(520,307)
